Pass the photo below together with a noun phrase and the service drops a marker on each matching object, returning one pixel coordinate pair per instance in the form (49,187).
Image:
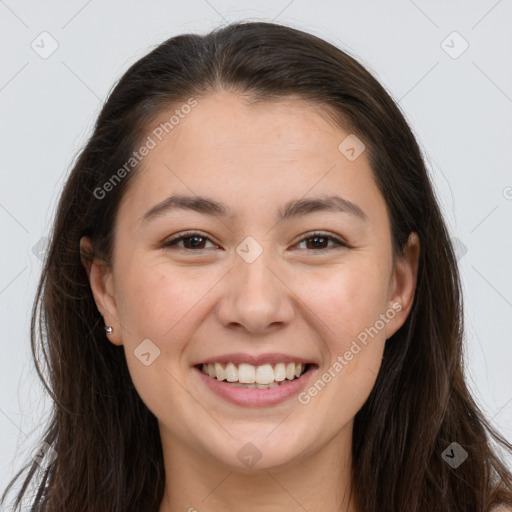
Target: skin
(294,298)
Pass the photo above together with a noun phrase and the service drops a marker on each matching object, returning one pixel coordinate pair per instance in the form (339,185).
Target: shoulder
(501,508)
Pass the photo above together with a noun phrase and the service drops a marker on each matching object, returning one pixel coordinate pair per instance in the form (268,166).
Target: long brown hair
(109,454)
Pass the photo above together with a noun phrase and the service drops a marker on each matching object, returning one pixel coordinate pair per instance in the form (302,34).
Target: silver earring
(109,329)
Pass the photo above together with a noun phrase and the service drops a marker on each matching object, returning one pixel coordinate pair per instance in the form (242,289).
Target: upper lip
(255,360)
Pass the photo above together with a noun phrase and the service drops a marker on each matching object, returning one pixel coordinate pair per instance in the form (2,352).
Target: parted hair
(109,453)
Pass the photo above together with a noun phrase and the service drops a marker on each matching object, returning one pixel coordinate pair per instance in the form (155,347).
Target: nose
(256,297)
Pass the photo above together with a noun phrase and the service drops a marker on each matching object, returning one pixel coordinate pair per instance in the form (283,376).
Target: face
(261,282)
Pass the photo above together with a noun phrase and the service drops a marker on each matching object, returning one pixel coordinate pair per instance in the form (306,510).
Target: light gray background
(459,108)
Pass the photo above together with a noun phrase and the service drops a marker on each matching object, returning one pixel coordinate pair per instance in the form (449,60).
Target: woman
(250,300)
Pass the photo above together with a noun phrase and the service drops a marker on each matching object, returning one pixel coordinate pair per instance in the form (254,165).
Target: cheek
(347,302)
(158,303)
(355,350)
(347,299)
(154,299)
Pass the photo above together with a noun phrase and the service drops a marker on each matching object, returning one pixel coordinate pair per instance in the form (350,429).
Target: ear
(102,286)
(403,284)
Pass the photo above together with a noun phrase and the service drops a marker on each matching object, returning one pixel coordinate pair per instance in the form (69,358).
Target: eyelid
(323,234)
(187,234)
(340,242)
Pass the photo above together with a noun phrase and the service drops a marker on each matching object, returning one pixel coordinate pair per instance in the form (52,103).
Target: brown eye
(319,241)
(316,242)
(190,241)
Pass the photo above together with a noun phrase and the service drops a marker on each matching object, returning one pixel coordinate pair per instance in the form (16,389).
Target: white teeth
(260,377)
(247,374)
(280,372)
(265,374)
(231,373)
(290,371)
(220,373)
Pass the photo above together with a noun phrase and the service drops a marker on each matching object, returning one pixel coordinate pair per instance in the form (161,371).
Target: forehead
(278,128)
(257,155)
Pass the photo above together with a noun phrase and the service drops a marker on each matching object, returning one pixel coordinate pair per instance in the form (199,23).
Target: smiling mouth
(266,376)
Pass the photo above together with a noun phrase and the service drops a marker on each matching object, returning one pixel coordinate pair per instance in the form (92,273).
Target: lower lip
(256,397)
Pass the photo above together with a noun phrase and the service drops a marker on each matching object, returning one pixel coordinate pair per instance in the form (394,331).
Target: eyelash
(315,234)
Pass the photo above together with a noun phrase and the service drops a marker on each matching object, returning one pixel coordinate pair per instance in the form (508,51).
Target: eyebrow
(292,209)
